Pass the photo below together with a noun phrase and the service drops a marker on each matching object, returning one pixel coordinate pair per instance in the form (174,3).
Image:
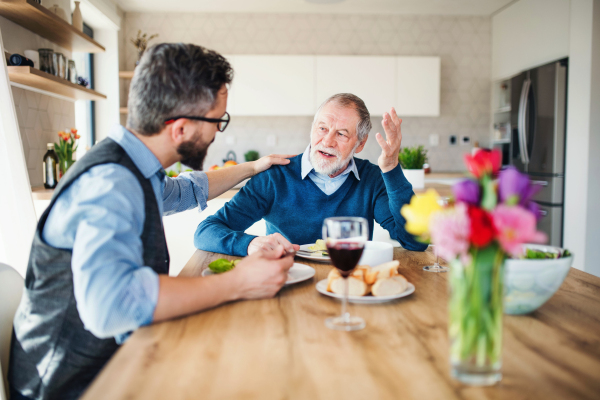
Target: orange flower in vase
(66,148)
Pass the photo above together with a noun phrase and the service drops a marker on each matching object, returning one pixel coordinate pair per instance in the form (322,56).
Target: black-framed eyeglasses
(221,122)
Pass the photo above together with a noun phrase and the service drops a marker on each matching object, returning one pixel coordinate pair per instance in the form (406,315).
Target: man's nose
(329,139)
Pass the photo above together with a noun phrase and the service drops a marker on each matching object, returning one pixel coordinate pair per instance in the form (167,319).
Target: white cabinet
(272,85)
(297,85)
(370,78)
(418,86)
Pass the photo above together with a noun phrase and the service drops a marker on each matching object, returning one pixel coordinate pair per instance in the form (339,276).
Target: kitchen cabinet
(272,85)
(370,78)
(418,86)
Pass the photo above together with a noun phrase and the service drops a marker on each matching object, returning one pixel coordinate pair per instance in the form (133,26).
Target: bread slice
(356,287)
(390,286)
(382,271)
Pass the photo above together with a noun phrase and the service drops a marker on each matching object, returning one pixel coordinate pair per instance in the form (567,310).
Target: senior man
(326,181)
(99,263)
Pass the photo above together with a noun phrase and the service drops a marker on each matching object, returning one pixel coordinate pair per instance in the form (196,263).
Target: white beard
(329,167)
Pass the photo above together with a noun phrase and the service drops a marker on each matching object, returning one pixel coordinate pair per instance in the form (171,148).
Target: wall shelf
(43,22)
(126,74)
(41,80)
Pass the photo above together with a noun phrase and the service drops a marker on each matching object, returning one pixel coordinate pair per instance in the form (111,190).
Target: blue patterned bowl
(530,283)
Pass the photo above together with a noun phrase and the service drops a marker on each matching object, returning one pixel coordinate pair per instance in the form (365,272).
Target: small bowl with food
(532,280)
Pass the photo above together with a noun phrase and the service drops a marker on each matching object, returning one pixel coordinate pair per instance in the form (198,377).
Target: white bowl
(530,283)
(376,253)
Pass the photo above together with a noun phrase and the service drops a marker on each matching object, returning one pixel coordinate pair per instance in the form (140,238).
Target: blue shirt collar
(307,167)
(141,155)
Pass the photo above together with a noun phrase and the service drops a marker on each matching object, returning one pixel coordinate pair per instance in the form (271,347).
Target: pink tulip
(450,231)
(515,226)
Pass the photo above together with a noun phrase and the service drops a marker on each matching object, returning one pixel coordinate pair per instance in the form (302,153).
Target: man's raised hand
(390,147)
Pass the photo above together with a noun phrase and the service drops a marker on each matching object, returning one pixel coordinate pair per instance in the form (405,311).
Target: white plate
(298,273)
(369,299)
(315,256)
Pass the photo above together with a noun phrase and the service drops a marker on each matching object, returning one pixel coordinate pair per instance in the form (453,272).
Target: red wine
(345,256)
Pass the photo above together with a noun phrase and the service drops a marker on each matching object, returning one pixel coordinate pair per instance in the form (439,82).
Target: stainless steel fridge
(537,147)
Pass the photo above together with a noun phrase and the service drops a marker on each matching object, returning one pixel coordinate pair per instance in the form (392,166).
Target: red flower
(484,162)
(482,227)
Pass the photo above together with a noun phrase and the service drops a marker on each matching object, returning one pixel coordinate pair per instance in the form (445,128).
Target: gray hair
(363,127)
(174,79)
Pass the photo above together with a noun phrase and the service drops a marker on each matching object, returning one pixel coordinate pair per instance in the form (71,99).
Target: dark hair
(174,79)
(350,100)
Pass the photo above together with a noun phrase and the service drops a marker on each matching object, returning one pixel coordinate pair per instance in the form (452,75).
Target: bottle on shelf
(50,167)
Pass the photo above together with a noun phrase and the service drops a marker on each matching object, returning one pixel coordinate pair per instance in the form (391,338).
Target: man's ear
(361,146)
(177,131)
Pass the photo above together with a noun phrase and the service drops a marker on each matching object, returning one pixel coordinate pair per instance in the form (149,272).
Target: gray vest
(52,355)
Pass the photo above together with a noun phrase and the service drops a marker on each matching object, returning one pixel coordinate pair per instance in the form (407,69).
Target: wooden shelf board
(43,22)
(123,110)
(41,80)
(126,74)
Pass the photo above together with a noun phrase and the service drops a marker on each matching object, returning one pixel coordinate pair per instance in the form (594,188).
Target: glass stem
(345,315)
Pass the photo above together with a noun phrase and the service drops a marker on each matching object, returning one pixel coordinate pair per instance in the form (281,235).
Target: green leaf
(489,198)
(512,200)
(221,265)
(412,157)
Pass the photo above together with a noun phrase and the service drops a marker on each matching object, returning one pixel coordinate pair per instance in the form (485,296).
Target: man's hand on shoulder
(262,274)
(270,242)
(264,163)
(390,147)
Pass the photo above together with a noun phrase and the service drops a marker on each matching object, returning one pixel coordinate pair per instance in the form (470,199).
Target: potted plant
(65,149)
(412,160)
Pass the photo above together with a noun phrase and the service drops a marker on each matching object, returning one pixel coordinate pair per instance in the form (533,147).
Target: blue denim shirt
(101,217)
(324,182)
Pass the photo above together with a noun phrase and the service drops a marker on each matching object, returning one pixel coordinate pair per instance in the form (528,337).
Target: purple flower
(467,191)
(516,188)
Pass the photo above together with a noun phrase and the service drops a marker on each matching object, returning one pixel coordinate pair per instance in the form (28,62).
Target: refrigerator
(537,147)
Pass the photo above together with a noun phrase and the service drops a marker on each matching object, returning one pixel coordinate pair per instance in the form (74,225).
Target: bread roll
(356,287)
(390,286)
(382,271)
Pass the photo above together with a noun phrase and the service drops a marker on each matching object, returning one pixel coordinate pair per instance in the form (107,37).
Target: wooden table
(280,348)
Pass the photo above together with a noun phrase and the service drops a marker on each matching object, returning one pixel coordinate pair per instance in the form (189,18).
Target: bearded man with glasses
(99,262)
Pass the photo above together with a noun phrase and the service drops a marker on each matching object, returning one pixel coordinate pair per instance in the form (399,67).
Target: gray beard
(331,168)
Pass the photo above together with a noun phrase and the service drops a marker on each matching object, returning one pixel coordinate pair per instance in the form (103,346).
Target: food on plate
(382,280)
(389,286)
(229,163)
(222,265)
(318,246)
(531,254)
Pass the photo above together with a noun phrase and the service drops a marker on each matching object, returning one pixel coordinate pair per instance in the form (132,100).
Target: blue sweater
(296,208)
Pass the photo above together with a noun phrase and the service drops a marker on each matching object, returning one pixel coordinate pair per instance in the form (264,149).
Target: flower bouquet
(65,149)
(489,218)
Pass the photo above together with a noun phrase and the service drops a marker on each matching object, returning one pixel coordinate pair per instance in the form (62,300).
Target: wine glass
(345,238)
(436,267)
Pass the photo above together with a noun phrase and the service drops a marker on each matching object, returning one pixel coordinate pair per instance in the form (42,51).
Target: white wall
(527,34)
(582,191)
(106,79)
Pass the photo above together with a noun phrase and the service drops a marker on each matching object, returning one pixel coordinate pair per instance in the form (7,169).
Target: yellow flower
(419,211)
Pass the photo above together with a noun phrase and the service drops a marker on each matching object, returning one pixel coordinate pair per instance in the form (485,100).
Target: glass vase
(64,165)
(475,320)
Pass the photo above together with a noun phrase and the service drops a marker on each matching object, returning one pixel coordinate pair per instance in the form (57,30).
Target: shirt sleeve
(189,190)
(393,193)
(223,232)
(101,218)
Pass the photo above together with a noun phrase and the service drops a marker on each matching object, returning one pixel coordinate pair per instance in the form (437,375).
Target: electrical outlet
(434,139)
(271,141)
(452,140)
(465,140)
(230,140)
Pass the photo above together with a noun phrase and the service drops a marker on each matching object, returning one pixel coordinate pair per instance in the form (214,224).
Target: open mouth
(326,155)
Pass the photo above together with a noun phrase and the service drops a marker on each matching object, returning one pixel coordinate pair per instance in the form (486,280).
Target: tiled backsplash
(463,43)
(40,118)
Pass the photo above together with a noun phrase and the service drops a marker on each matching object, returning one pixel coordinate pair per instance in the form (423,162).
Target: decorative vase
(475,321)
(77,18)
(416,177)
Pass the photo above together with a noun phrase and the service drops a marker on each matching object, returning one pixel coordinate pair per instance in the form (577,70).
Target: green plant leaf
(412,157)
